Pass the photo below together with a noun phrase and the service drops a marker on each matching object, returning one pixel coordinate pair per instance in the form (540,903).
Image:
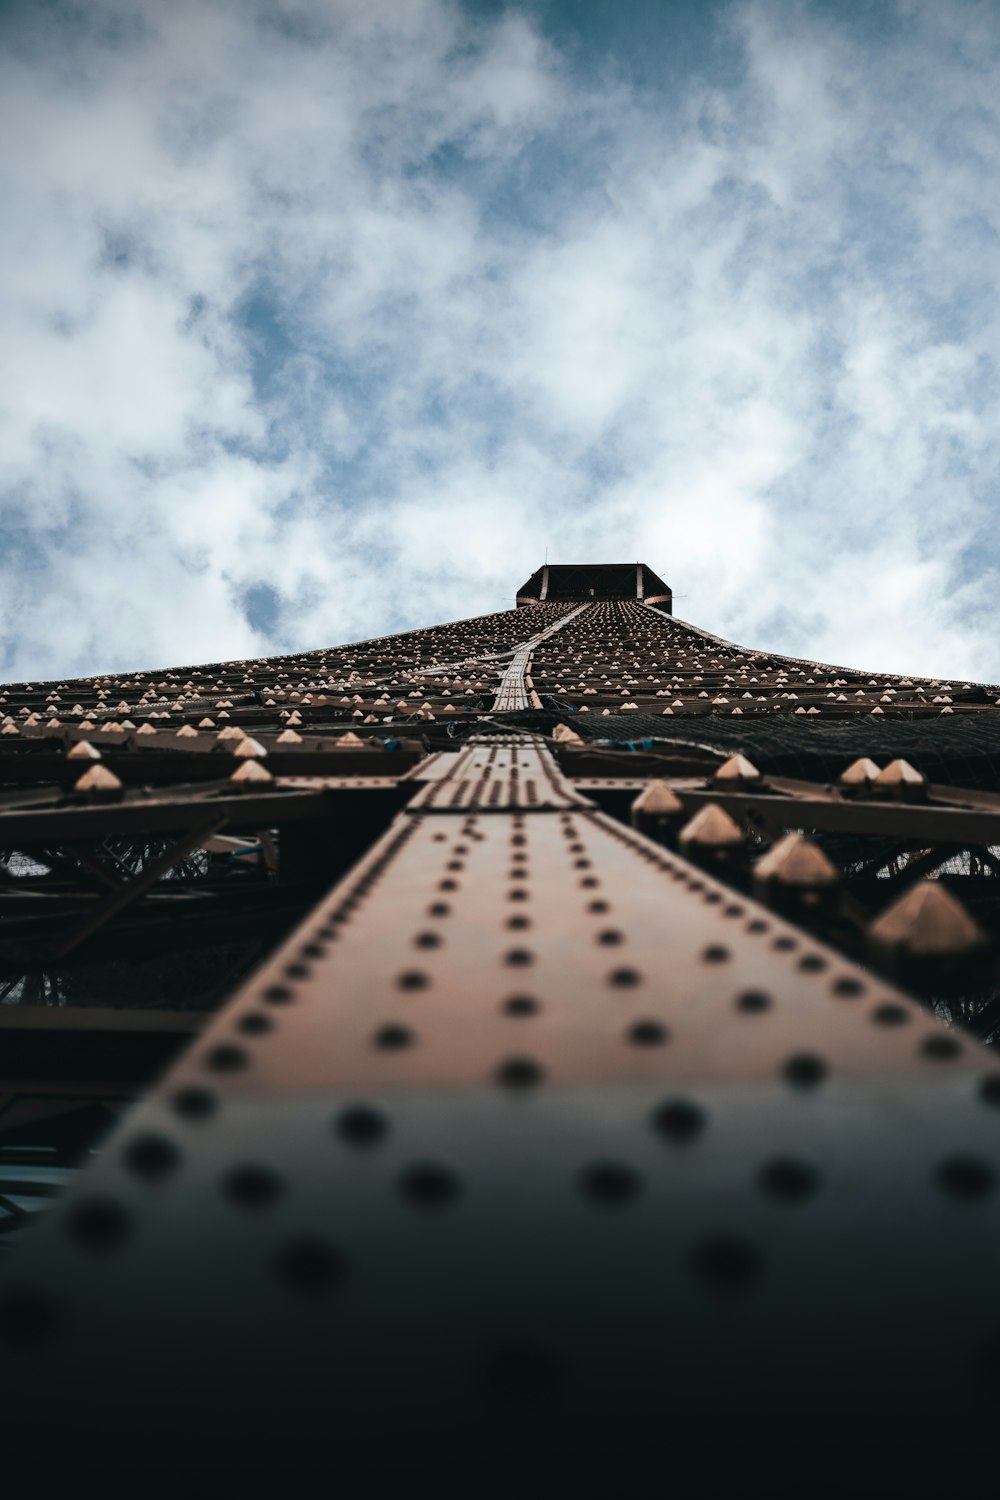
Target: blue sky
(322,319)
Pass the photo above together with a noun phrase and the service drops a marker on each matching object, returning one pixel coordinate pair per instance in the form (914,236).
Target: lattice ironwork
(494,1079)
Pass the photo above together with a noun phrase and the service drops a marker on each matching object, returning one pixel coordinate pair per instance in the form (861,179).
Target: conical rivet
(928,922)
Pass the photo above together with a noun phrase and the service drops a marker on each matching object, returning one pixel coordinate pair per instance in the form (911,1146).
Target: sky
(321,319)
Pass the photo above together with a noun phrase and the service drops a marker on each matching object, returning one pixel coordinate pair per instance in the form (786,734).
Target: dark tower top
(582,583)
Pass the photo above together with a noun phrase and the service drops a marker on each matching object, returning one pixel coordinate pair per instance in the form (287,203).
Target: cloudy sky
(322,318)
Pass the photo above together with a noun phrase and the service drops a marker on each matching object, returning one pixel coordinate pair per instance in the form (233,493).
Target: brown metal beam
(526,1102)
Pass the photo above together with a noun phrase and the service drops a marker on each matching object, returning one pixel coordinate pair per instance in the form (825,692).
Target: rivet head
(788,1179)
(309,1267)
(151,1156)
(519,1073)
(251,1185)
(430,1185)
(680,1120)
(648,1033)
(965,1176)
(805,1070)
(610,1183)
(361,1124)
(726,1263)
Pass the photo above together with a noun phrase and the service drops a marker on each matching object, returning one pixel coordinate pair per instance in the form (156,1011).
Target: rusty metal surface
(450,917)
(945,815)
(529,1133)
(513,692)
(493,776)
(54,817)
(600,658)
(535,1148)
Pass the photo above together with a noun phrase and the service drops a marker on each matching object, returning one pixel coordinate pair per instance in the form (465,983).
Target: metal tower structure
(556,1042)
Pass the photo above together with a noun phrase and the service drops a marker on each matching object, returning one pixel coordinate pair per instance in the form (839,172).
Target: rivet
(965,1177)
(278,994)
(412,979)
(430,1185)
(788,1179)
(726,1263)
(521,1005)
(309,1267)
(194,1102)
(226,1058)
(610,1183)
(752,1002)
(393,1037)
(804,1070)
(251,1185)
(647,1033)
(890,1015)
(940,1048)
(255,1023)
(680,1120)
(362,1124)
(152,1156)
(519,1073)
(989,1089)
(98,1223)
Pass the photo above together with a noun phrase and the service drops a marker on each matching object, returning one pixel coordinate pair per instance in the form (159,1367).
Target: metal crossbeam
(948,815)
(125,895)
(513,691)
(639,1138)
(489,776)
(535,1145)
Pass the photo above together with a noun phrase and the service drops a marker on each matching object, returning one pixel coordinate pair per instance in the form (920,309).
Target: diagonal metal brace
(126,894)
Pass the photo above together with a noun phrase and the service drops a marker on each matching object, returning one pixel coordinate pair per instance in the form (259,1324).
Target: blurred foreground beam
(532,1137)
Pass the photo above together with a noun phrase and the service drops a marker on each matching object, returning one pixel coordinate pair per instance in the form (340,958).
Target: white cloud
(372,302)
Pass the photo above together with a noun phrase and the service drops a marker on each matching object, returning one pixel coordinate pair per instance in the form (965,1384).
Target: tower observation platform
(587,584)
(555,1046)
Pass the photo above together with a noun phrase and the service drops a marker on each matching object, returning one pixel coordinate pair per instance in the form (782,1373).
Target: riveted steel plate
(634,963)
(535,1153)
(494,776)
(462,1164)
(513,693)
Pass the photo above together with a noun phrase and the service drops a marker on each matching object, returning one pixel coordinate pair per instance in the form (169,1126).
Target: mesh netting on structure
(958,750)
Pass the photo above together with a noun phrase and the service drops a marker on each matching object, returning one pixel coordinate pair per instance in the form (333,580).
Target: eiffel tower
(530,1048)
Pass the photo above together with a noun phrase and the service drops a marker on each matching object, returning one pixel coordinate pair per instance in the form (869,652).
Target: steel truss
(575,1119)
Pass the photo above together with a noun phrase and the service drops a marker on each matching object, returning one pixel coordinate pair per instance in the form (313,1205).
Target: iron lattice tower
(534,1040)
